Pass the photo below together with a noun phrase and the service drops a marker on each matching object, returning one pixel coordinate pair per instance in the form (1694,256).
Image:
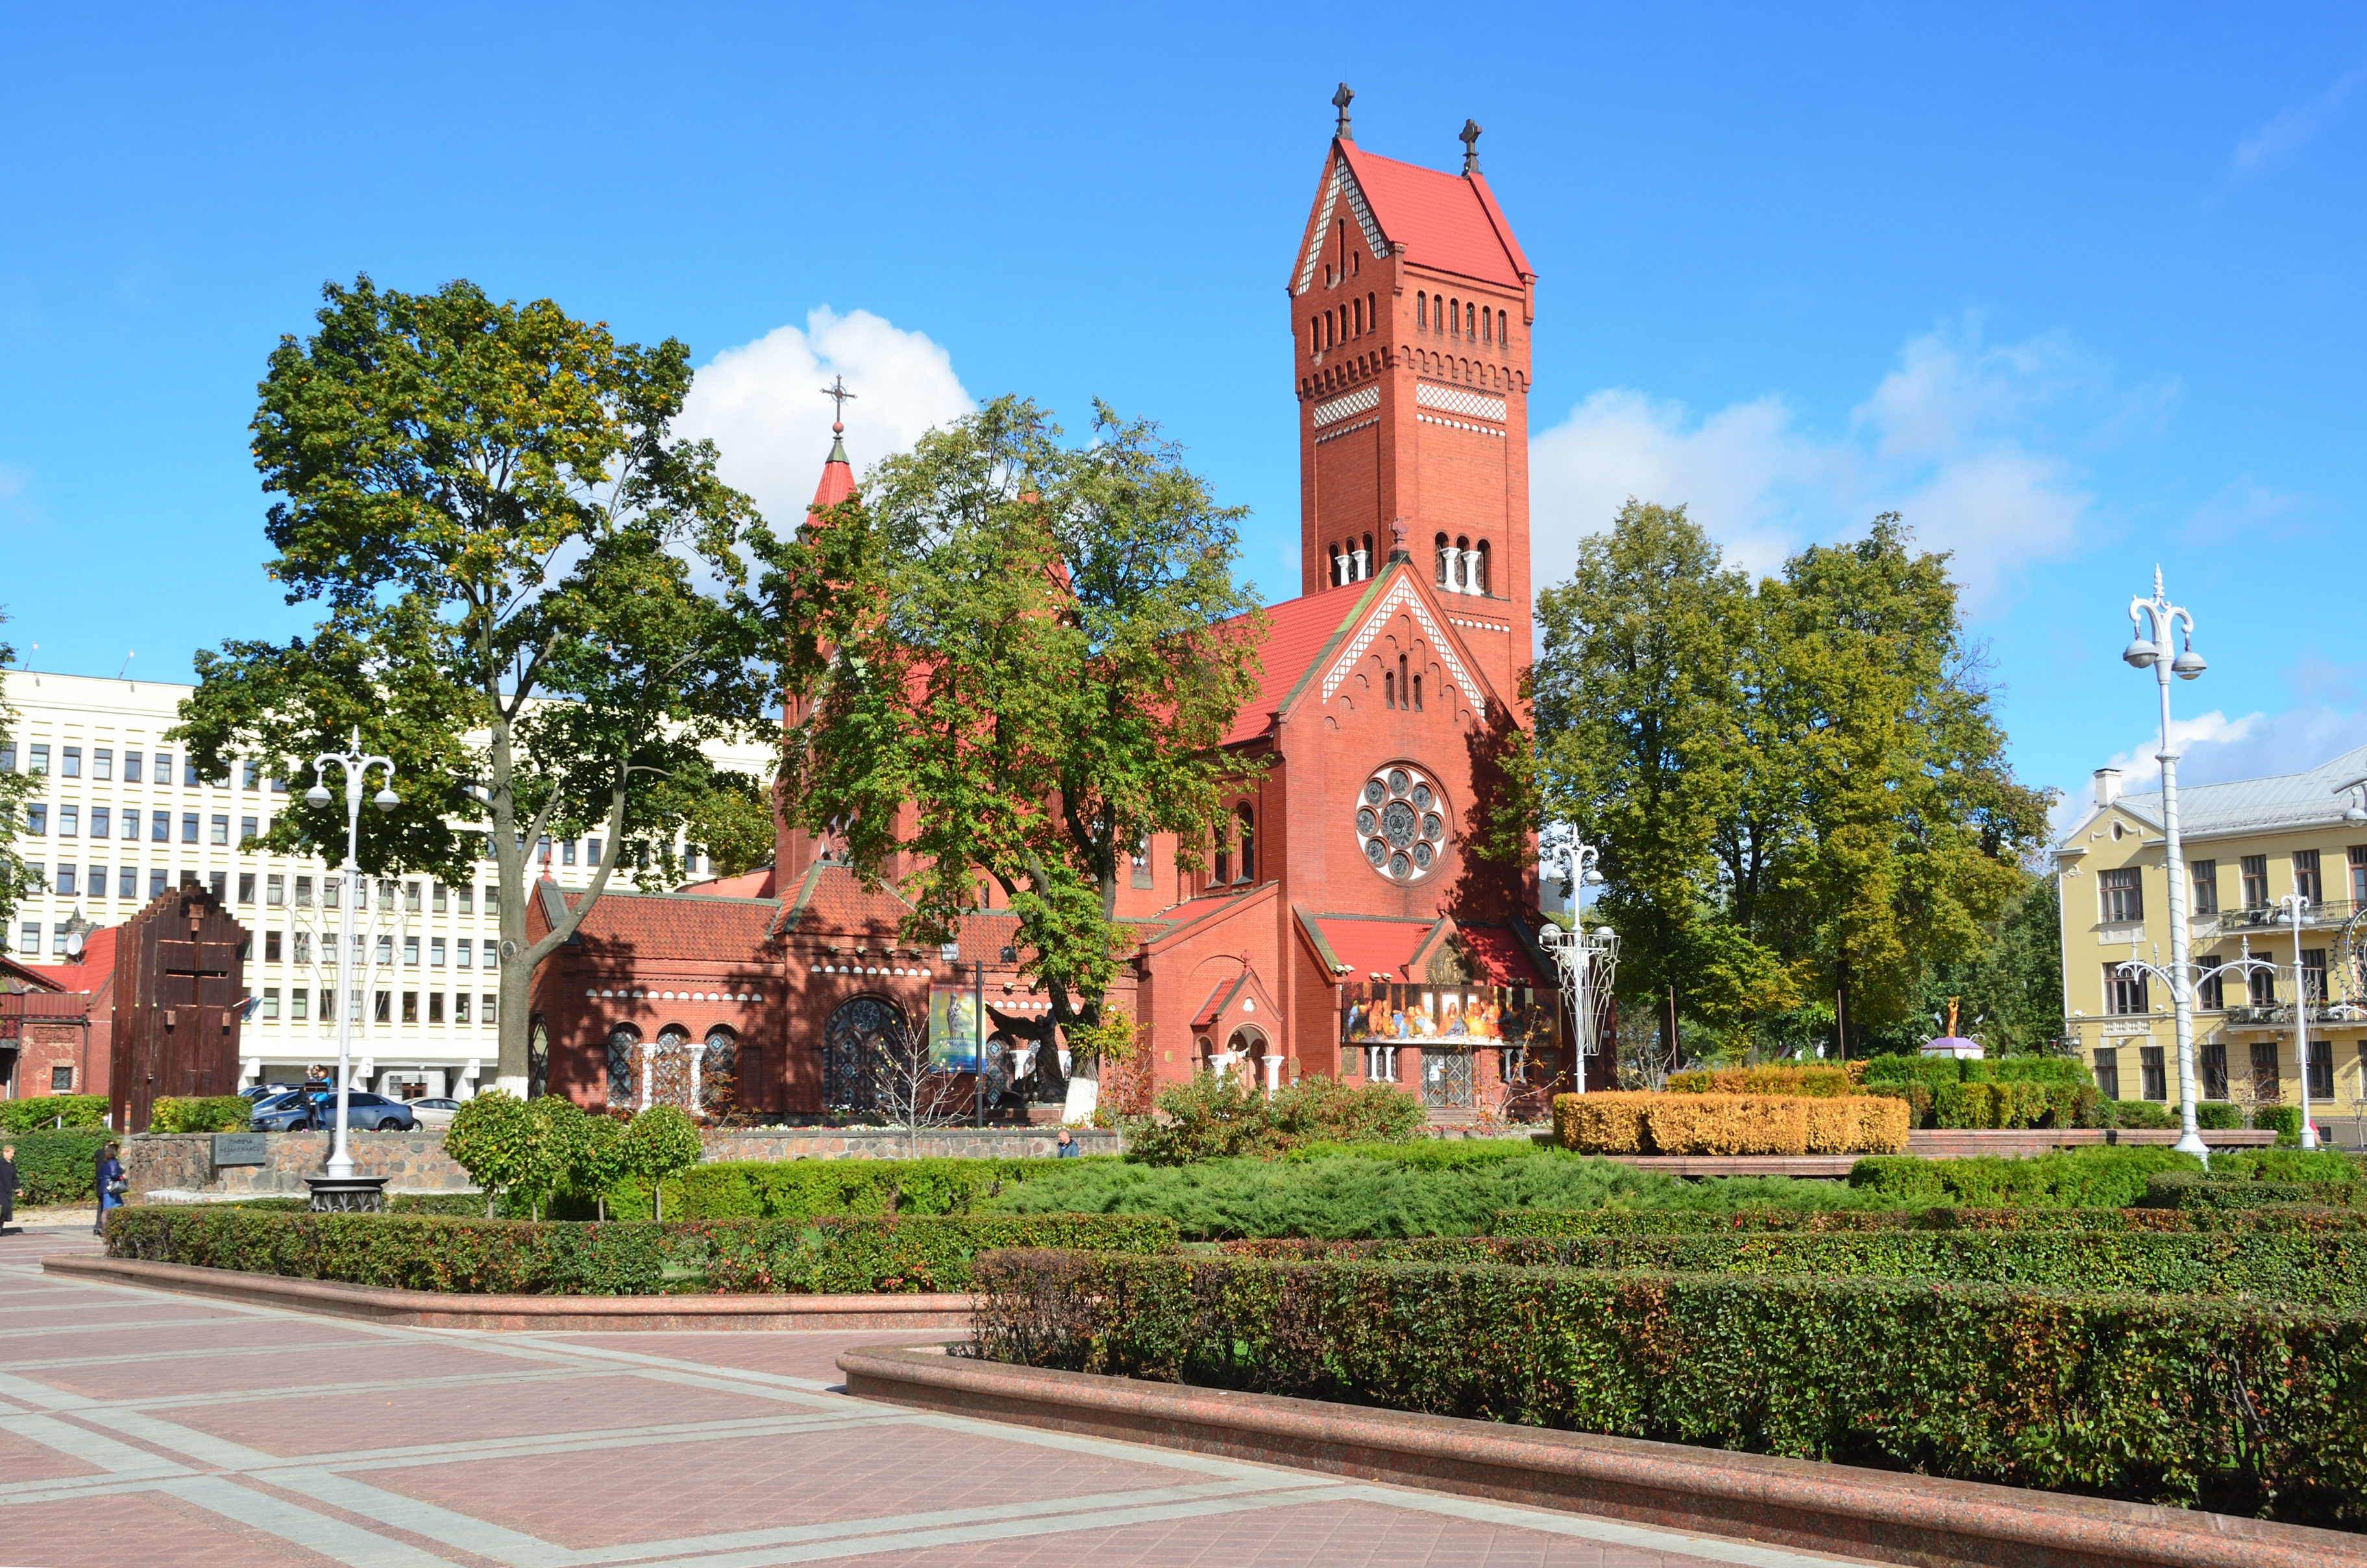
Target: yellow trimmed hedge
(1619,1123)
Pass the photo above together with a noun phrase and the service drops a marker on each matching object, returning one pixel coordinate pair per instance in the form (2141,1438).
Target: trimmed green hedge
(621,1257)
(87,1111)
(2328,1271)
(2240,1406)
(450,1205)
(2082,1178)
(210,1113)
(2298,1218)
(2192,1189)
(59,1168)
(807,1188)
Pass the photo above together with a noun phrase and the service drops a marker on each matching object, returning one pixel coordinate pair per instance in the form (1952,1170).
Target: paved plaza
(138,1428)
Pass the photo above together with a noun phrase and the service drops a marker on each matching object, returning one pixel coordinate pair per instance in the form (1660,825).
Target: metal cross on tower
(1340,100)
(838,395)
(1469,137)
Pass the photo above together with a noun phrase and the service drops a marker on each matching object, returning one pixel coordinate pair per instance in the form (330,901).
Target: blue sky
(2076,289)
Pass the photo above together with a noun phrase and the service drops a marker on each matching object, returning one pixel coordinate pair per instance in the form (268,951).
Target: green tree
(532,601)
(1799,788)
(658,1141)
(1017,661)
(492,1136)
(17,787)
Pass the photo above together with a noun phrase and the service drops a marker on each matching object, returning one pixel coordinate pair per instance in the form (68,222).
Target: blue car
(304,1111)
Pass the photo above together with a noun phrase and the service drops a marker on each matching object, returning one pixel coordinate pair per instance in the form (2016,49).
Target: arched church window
(1487,326)
(1248,843)
(718,1071)
(1373,311)
(1468,322)
(1421,309)
(1223,859)
(624,1079)
(1417,694)
(1479,569)
(1339,577)
(1504,328)
(1445,562)
(853,1043)
(1390,688)
(1454,314)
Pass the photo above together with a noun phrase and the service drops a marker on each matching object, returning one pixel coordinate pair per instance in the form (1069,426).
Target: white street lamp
(356,766)
(2296,907)
(2156,621)
(1587,960)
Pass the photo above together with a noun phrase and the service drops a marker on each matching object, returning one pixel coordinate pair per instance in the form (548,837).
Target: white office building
(123,816)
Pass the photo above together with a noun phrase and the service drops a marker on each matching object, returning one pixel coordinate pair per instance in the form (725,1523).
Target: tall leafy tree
(1017,659)
(17,787)
(533,600)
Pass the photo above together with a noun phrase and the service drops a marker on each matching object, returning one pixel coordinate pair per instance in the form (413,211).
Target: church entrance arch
(1446,1079)
(852,1042)
(1253,1060)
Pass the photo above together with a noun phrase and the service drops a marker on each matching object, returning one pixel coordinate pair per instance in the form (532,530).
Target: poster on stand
(955,1031)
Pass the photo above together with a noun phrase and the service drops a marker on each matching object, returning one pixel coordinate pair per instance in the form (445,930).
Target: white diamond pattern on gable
(1455,400)
(1403,597)
(1342,183)
(1338,409)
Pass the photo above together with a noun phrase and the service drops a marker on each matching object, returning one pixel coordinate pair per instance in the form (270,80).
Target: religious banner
(956,1029)
(1456,1018)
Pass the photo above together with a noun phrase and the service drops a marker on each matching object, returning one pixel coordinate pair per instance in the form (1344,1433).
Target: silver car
(433,1112)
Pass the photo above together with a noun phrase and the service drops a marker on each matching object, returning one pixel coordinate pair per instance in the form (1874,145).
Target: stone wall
(415,1162)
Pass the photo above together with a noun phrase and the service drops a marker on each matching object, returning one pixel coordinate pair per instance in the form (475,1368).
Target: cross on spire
(1341,100)
(838,395)
(1471,140)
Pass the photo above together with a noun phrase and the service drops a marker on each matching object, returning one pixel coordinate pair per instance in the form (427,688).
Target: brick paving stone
(292,1423)
(141,1530)
(358,1359)
(798,1354)
(792,1478)
(21,1458)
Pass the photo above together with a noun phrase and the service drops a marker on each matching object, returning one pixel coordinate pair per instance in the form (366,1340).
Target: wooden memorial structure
(179,966)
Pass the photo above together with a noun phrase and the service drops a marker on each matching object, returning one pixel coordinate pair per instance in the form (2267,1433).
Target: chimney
(2107,786)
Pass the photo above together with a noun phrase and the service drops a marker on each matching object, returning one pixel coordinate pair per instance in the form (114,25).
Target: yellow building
(2246,845)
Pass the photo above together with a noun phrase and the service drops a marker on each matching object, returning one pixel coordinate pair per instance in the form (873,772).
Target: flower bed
(1637,1124)
(2238,1405)
(621,1257)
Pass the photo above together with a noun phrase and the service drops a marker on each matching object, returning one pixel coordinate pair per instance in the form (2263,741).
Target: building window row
(139,767)
(1345,323)
(372,1006)
(1462,565)
(1457,318)
(1401,687)
(1240,829)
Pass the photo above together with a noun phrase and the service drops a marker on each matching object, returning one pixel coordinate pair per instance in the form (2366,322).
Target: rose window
(1401,822)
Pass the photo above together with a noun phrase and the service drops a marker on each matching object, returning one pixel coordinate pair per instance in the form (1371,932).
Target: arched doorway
(670,1069)
(1252,1059)
(852,1046)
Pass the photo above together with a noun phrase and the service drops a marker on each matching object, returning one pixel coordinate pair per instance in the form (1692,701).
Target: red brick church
(1343,931)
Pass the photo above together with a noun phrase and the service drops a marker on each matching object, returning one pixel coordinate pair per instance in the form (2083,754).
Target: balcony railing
(2326,912)
(2259,1015)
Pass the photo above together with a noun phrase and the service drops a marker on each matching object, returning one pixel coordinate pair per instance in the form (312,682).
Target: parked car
(311,1109)
(433,1112)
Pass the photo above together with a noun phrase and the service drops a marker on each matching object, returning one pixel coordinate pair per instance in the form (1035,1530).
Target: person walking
(7,1184)
(1066,1147)
(110,1186)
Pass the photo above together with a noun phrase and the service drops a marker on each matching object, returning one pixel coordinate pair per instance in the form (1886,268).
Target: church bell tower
(1410,304)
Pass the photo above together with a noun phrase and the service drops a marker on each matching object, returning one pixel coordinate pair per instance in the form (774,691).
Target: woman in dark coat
(109,1173)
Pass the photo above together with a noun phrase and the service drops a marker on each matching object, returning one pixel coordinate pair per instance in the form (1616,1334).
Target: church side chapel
(1342,927)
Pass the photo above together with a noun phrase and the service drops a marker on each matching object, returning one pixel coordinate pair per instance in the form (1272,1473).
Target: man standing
(7,1184)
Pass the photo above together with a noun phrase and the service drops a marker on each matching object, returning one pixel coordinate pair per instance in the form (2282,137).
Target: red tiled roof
(829,900)
(1370,945)
(756,883)
(1447,221)
(1498,957)
(837,479)
(642,927)
(96,968)
(1297,633)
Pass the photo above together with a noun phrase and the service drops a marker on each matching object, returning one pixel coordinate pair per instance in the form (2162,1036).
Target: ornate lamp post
(1587,960)
(356,766)
(2180,982)
(2155,620)
(2296,907)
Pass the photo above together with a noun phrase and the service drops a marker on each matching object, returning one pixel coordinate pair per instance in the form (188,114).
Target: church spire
(1341,100)
(837,473)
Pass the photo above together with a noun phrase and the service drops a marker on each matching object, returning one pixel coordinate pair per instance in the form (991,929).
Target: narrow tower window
(1504,328)
(1358,307)
(1405,688)
(1338,576)
(1421,309)
(1390,688)
(1373,311)
(1454,315)
(1365,559)
(1479,569)
(1248,844)
(1487,326)
(1417,694)
(1445,562)
(1468,322)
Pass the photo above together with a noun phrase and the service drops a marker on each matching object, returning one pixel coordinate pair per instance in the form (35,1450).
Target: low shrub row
(451,1205)
(2320,1269)
(210,1113)
(2078,1179)
(1938,1070)
(2193,1190)
(2238,1405)
(1220,1116)
(2297,1218)
(804,1189)
(1773,1078)
(1639,1124)
(58,1166)
(73,1110)
(621,1257)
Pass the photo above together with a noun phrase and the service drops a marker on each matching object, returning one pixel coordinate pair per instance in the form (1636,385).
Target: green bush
(1433,1154)
(210,1113)
(2237,1406)
(2143,1115)
(2011,1104)
(2325,1269)
(2286,1118)
(1211,1116)
(475,1257)
(802,1188)
(78,1110)
(58,1166)
(449,1205)
(2191,1189)
(2218,1115)
(2079,1179)
(2004,1091)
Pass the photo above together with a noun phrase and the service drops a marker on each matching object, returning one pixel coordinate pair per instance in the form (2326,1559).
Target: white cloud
(1958,438)
(2295,125)
(762,404)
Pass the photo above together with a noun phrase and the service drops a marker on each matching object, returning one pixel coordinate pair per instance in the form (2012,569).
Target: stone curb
(546,1314)
(1843,1510)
